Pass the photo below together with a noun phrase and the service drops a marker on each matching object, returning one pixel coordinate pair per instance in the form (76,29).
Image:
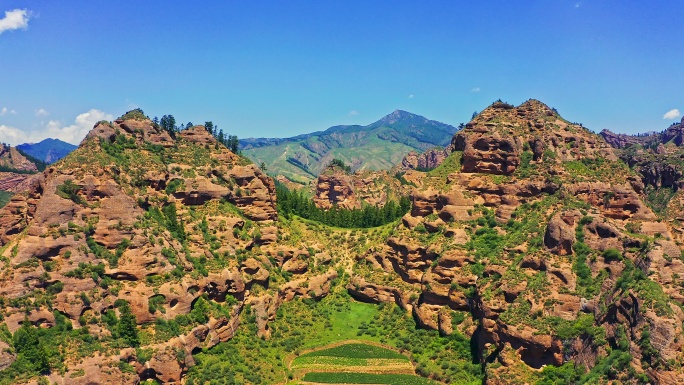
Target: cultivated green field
(305,331)
(356,350)
(353,358)
(364,378)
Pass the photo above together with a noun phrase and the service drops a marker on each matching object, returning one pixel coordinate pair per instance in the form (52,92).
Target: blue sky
(275,69)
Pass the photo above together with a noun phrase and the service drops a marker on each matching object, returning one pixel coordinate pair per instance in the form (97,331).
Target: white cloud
(353,112)
(411,96)
(14,19)
(131,105)
(11,135)
(72,133)
(3,111)
(42,112)
(76,132)
(672,114)
(577,5)
(476,89)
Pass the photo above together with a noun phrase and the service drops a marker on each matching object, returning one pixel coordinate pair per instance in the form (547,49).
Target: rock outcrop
(334,187)
(114,221)
(539,250)
(518,249)
(673,134)
(16,183)
(427,160)
(11,159)
(494,141)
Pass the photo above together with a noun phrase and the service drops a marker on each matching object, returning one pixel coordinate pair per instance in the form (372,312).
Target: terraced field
(363,378)
(353,362)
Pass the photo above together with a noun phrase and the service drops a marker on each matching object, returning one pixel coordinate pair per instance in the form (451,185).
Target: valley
(529,251)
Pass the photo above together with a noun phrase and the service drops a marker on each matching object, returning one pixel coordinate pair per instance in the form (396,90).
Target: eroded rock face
(673,134)
(87,227)
(16,183)
(494,141)
(539,270)
(487,152)
(334,187)
(11,158)
(622,140)
(618,202)
(427,160)
(140,130)
(657,170)
(560,232)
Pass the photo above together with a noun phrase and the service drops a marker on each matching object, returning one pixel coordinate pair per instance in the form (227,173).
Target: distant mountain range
(48,150)
(380,145)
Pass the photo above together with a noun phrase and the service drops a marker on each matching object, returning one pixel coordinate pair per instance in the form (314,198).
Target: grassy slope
(275,157)
(5,197)
(371,154)
(306,324)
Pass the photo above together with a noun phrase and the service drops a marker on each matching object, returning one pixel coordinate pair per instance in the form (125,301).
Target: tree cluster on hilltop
(168,124)
(339,163)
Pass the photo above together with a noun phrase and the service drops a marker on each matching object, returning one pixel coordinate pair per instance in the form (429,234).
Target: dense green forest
(297,203)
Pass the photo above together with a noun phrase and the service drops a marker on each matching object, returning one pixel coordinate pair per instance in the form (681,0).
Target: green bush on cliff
(69,190)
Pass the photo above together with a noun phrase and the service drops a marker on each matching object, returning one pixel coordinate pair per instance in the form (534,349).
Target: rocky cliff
(494,141)
(145,222)
(16,171)
(11,159)
(530,245)
(337,187)
(534,255)
(673,134)
(426,160)
(658,160)
(334,187)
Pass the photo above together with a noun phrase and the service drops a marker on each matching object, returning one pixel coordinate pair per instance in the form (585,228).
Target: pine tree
(233,143)
(127,327)
(210,127)
(168,123)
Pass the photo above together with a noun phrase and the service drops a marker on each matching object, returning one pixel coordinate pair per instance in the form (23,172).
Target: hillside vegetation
(377,146)
(530,254)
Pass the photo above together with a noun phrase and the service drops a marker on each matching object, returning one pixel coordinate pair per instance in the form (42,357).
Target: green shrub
(126,328)
(612,255)
(69,190)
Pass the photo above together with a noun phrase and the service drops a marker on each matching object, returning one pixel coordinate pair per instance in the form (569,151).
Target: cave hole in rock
(149,374)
